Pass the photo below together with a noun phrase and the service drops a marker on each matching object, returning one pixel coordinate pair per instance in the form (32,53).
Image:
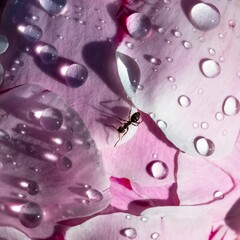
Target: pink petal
(12,234)
(49,162)
(195,101)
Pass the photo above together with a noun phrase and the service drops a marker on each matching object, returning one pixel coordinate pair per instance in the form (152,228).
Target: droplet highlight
(32,33)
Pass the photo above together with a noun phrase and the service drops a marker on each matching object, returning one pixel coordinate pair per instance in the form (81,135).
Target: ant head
(135,117)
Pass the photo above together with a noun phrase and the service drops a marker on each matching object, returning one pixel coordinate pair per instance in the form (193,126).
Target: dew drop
(130,233)
(231,23)
(177,33)
(184,101)
(33,188)
(35,18)
(187,44)
(200,91)
(171,79)
(4,136)
(204,16)
(47,53)
(53,6)
(195,125)
(152,115)
(231,106)
(161,124)
(221,35)
(51,119)
(30,215)
(64,164)
(130,45)
(86,202)
(154,155)
(204,125)
(210,68)
(161,30)
(94,195)
(155,235)
(169,59)
(138,25)
(4,44)
(222,59)
(219,116)
(218,195)
(155,61)
(211,51)
(32,33)
(140,87)
(75,75)
(144,219)
(204,146)
(157,169)
(68,146)
(1,73)
(128,217)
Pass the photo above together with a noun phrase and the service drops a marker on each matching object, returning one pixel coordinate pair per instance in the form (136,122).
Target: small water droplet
(231,106)
(86,202)
(35,18)
(51,119)
(94,195)
(219,116)
(75,75)
(231,23)
(204,125)
(184,101)
(140,87)
(221,35)
(204,146)
(155,235)
(187,44)
(32,33)
(60,37)
(204,16)
(144,219)
(33,188)
(82,22)
(64,164)
(171,79)
(152,115)
(4,44)
(130,45)
(218,195)
(129,217)
(168,41)
(138,25)
(161,30)
(169,59)
(30,215)
(200,91)
(195,125)
(155,61)
(68,145)
(177,33)
(211,51)
(99,28)
(47,53)
(210,68)
(157,169)
(222,59)
(161,124)
(130,233)
(53,6)
(4,136)
(154,155)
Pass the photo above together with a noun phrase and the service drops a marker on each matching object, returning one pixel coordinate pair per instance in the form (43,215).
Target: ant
(132,120)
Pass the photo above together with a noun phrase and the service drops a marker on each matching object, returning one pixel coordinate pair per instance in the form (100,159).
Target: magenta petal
(49,163)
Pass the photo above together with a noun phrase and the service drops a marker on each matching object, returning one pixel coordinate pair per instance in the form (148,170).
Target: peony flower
(73,72)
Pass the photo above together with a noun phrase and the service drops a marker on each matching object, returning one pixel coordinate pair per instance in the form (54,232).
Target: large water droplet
(218,195)
(231,106)
(184,101)
(94,195)
(162,125)
(51,119)
(31,215)
(210,68)
(138,25)
(204,146)
(157,169)
(53,6)
(64,164)
(4,136)
(75,75)
(204,16)
(3,44)
(32,33)
(187,44)
(130,233)
(47,53)
(33,188)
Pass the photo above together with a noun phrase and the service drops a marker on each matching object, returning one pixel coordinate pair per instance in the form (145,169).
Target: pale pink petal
(49,162)
(185,71)
(7,233)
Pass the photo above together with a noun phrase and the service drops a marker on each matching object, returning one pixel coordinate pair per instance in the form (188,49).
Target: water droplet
(4,44)
(169,59)
(204,125)
(231,23)
(204,146)
(144,219)
(75,75)
(152,115)
(221,35)
(86,202)
(32,33)
(99,28)
(68,146)
(219,116)
(155,235)
(231,106)
(51,119)
(222,59)
(130,45)
(53,6)
(161,30)
(47,53)
(4,136)
(171,79)
(157,169)
(64,164)
(155,61)
(184,101)
(161,124)
(218,195)
(94,195)
(1,73)
(155,156)
(35,18)
(140,87)
(128,217)
(187,44)
(200,91)
(33,188)
(30,215)
(210,68)
(138,25)
(204,16)
(195,125)
(168,41)
(130,233)
(211,51)
(177,33)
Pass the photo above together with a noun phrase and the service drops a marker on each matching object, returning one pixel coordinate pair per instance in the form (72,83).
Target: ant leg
(110,126)
(121,137)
